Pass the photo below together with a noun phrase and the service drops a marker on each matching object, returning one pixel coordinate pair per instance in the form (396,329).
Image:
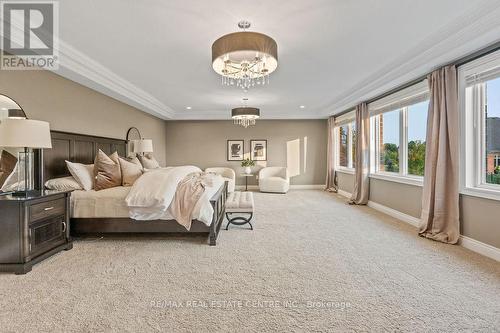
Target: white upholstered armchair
(274,179)
(226,173)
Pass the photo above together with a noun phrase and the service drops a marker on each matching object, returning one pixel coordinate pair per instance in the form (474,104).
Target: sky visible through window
(417,121)
(493,98)
(417,117)
(391,127)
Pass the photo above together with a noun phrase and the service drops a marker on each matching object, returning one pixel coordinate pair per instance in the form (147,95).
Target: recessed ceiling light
(188,108)
(302,106)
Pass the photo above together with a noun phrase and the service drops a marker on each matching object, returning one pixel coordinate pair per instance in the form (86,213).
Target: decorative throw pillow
(7,164)
(130,172)
(83,174)
(63,184)
(149,162)
(107,171)
(134,159)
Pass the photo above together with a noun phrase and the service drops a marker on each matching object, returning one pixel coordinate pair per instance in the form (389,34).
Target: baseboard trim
(464,241)
(308,187)
(344,193)
(480,247)
(414,221)
(292,187)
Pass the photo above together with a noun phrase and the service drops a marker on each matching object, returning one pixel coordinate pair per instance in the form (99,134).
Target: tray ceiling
(156,55)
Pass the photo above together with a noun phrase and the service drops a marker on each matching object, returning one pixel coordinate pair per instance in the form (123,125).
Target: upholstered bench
(239,203)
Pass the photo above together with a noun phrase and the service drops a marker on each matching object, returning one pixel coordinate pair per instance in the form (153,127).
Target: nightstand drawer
(47,209)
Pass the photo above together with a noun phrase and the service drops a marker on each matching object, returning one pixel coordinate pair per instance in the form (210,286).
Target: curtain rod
(458,62)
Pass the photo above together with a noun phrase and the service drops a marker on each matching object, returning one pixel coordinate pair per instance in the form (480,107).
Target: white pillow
(63,184)
(149,162)
(83,174)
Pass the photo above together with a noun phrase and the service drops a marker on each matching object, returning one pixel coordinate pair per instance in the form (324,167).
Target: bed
(105,212)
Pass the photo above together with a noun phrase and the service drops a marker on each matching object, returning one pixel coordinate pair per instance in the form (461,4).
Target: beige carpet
(311,264)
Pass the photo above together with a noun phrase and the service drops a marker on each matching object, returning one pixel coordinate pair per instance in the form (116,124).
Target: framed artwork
(235,150)
(258,150)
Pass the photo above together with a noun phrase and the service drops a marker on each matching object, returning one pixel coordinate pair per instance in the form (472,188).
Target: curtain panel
(331,176)
(362,166)
(440,198)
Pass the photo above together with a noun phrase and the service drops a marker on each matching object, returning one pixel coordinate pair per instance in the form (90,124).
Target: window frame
(348,119)
(472,120)
(401,100)
(402,176)
(350,167)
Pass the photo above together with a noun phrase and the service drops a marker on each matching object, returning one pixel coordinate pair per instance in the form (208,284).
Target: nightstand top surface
(33,196)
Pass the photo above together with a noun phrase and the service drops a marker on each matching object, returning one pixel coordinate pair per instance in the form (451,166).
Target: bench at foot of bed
(240,203)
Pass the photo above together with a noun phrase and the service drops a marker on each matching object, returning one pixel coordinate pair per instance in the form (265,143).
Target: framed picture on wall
(258,150)
(235,150)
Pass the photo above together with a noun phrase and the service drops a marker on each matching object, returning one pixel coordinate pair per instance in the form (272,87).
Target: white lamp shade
(25,133)
(143,146)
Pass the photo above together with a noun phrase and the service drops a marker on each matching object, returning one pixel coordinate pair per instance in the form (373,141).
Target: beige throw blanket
(187,195)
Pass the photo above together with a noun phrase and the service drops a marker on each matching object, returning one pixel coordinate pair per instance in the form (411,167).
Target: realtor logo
(29,32)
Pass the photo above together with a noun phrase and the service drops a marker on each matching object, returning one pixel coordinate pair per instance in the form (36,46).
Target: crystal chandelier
(245,116)
(244,59)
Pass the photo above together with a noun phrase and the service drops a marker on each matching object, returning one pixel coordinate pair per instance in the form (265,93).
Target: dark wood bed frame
(81,148)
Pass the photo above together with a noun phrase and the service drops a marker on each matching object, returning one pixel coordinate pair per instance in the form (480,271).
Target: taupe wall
(479,217)
(345,181)
(71,107)
(203,143)
(401,197)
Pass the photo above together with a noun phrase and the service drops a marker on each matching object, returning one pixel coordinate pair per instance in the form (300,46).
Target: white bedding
(105,203)
(152,194)
(148,199)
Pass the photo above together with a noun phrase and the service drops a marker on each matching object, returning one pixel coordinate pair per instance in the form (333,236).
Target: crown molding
(78,67)
(226,115)
(466,34)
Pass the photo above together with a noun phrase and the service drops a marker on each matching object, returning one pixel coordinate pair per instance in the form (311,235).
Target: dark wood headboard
(79,148)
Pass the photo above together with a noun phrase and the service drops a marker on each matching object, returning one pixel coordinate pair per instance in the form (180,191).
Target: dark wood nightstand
(32,229)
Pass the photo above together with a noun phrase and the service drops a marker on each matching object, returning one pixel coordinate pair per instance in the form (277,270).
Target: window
(492,137)
(492,120)
(480,126)
(417,126)
(345,133)
(388,141)
(347,147)
(398,139)
(343,146)
(353,145)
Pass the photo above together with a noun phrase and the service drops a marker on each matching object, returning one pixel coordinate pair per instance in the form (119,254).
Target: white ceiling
(156,54)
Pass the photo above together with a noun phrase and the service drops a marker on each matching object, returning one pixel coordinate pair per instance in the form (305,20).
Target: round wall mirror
(133,135)
(9,157)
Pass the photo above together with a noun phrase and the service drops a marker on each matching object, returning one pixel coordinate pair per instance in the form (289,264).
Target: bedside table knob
(64,227)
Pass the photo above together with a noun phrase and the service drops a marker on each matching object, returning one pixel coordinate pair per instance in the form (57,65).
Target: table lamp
(28,134)
(143,146)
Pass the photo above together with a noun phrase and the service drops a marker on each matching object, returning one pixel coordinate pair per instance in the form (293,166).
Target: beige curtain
(440,199)
(331,177)
(361,181)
